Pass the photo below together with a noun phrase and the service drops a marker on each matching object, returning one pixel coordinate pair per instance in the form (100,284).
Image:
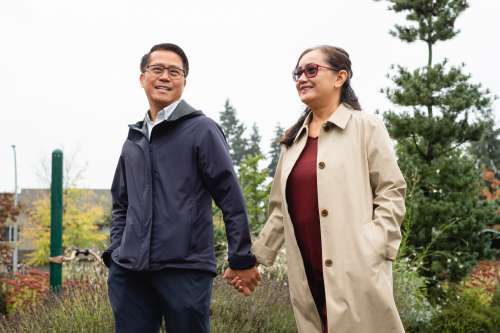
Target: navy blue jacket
(162,197)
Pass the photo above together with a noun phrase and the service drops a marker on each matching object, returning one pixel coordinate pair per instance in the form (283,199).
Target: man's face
(165,88)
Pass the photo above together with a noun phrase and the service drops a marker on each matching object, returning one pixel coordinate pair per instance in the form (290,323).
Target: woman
(337,202)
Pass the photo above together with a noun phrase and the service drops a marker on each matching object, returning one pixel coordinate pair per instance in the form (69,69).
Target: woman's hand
(244,280)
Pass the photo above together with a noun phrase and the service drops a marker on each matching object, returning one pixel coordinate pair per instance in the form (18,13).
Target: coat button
(321,165)
(326,127)
(324,212)
(328,263)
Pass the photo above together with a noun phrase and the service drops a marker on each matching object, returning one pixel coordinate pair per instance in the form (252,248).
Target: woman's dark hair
(338,59)
(166,47)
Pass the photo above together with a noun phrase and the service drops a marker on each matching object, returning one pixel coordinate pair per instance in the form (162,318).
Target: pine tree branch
(452,148)
(422,154)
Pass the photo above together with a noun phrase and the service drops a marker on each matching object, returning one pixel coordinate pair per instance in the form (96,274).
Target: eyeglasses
(310,70)
(174,72)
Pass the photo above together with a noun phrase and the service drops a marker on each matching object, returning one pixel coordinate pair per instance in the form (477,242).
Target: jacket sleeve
(216,168)
(388,187)
(119,210)
(271,238)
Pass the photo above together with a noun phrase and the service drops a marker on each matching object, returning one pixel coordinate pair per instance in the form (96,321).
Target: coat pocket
(374,240)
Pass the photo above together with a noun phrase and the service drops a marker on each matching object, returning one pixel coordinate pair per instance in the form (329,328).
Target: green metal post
(56,215)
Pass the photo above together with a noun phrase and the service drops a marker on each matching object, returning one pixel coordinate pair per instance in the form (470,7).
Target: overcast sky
(69,71)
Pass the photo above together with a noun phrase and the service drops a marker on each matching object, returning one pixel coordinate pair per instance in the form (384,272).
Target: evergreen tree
(275,149)
(234,131)
(253,181)
(442,111)
(254,142)
(486,151)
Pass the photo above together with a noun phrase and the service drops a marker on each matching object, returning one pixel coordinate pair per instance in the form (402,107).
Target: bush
(3,300)
(24,289)
(79,308)
(484,276)
(466,312)
(415,310)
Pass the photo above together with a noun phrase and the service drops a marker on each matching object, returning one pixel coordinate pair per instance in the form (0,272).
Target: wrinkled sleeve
(388,188)
(216,168)
(271,238)
(119,210)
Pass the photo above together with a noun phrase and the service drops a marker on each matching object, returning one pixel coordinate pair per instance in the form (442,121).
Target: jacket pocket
(130,244)
(171,237)
(201,232)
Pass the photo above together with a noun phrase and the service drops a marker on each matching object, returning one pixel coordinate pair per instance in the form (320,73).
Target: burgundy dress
(302,199)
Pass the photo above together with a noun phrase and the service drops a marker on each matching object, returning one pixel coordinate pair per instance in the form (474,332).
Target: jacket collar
(163,115)
(182,110)
(339,118)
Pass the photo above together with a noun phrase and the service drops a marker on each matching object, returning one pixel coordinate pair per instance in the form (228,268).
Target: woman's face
(321,88)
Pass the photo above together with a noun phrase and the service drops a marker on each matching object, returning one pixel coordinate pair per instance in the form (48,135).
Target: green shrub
(415,310)
(466,312)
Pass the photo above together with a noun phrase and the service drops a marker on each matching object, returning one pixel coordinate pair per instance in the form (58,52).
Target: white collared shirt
(163,115)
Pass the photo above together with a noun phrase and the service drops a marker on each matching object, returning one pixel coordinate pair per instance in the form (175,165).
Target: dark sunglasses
(310,70)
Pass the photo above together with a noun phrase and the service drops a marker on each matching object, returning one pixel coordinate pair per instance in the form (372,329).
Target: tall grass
(78,308)
(84,307)
(267,310)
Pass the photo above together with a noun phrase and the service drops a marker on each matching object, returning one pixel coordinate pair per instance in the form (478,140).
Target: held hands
(244,280)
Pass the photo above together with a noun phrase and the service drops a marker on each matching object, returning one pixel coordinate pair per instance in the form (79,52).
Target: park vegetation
(446,277)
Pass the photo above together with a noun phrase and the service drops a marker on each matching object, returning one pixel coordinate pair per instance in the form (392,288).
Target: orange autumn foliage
(492,190)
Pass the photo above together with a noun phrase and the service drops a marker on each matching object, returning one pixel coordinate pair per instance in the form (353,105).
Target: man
(161,258)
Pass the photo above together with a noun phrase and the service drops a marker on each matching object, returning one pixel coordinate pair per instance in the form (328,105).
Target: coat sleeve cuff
(391,253)
(242,262)
(264,255)
(106,257)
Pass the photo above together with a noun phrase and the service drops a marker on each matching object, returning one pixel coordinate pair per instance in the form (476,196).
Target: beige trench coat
(361,200)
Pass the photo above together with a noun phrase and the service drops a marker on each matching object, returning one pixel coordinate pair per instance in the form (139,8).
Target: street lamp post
(15,225)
